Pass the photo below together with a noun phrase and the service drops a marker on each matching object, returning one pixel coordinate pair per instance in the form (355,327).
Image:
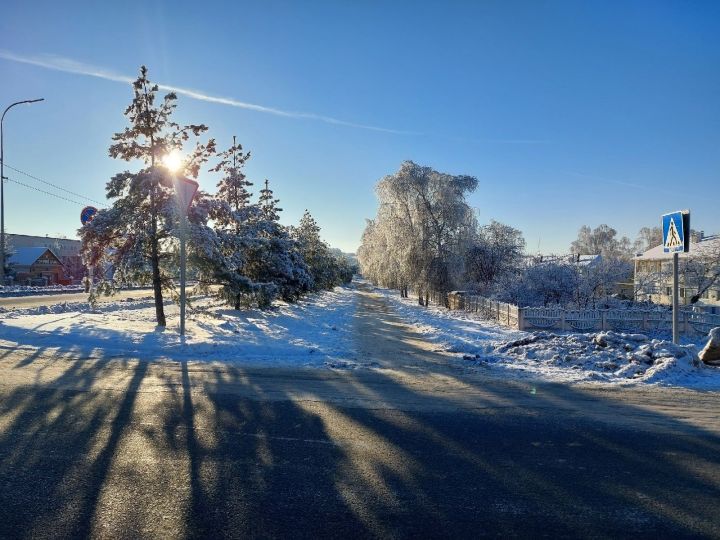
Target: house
(66,249)
(36,266)
(699,274)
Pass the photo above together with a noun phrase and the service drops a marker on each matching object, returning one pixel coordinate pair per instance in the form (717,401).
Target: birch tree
(422,230)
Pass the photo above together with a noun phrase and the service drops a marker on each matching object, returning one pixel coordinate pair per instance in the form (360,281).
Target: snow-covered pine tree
(134,235)
(236,230)
(278,261)
(321,263)
(268,203)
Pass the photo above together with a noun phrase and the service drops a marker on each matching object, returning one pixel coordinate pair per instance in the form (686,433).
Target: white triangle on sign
(673,237)
(185,190)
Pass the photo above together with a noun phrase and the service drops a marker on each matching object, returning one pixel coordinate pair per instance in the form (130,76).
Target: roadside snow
(27,290)
(602,357)
(317,331)
(451,331)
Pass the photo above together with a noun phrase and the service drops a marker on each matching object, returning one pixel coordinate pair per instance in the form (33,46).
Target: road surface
(414,448)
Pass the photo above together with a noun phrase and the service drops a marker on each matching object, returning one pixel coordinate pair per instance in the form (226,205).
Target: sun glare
(173,160)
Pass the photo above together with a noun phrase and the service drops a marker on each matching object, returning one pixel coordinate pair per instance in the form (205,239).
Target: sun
(173,160)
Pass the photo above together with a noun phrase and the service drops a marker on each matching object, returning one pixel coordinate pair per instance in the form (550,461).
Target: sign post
(676,239)
(185,190)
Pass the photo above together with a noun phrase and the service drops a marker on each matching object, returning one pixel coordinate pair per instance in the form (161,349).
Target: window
(668,291)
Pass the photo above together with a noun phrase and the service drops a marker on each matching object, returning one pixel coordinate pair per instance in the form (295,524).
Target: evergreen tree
(135,234)
(278,260)
(322,265)
(236,232)
(268,203)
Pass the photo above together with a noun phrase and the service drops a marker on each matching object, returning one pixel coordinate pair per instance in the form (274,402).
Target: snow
(315,332)
(604,357)
(26,290)
(451,331)
(318,331)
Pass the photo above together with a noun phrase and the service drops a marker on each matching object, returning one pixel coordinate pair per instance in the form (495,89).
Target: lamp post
(2,187)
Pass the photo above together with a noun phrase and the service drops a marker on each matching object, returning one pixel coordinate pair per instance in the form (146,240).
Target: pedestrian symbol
(675,232)
(673,238)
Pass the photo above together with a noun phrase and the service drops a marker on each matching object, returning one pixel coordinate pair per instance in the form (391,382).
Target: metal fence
(582,320)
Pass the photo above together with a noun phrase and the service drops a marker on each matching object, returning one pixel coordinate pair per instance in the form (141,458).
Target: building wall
(67,250)
(661,293)
(62,247)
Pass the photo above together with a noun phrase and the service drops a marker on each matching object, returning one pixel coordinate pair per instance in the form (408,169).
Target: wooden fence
(582,320)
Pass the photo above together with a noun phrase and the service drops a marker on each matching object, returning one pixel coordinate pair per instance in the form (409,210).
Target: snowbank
(609,357)
(602,357)
(26,290)
(317,331)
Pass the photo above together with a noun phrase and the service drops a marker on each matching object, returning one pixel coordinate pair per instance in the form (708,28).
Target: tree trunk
(157,283)
(427,299)
(420,299)
(154,251)
(237,303)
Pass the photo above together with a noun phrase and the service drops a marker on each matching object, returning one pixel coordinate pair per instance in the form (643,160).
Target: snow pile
(604,357)
(27,290)
(611,357)
(316,331)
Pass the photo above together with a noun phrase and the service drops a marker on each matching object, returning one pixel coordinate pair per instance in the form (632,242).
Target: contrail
(68,65)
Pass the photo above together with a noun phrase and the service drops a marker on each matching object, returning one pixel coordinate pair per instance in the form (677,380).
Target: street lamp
(2,188)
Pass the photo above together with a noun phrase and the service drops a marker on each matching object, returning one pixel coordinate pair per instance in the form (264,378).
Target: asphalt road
(415,448)
(22,302)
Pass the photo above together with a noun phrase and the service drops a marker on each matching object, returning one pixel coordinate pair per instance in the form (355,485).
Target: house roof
(25,256)
(707,245)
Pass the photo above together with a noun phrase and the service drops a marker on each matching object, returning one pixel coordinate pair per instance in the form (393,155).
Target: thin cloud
(67,65)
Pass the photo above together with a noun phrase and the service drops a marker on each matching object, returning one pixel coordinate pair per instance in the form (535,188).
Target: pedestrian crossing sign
(676,232)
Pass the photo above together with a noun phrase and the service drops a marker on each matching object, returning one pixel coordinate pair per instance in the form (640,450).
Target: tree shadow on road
(415,449)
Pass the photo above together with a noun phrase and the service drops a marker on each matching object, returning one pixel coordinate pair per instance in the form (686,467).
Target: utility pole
(2,187)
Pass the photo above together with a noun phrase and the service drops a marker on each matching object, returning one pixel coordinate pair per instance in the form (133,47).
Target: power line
(51,185)
(42,191)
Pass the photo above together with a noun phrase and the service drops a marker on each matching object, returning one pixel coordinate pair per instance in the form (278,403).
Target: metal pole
(183,237)
(675,302)
(2,187)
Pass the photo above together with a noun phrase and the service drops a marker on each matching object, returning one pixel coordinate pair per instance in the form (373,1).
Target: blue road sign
(676,232)
(87,214)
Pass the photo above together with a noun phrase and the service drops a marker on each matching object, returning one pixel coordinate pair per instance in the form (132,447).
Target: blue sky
(569,113)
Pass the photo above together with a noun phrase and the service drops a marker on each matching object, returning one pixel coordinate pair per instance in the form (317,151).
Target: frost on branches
(135,235)
(422,232)
(326,269)
(255,260)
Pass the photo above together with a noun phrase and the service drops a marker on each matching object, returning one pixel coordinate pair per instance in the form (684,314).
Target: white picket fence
(584,320)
